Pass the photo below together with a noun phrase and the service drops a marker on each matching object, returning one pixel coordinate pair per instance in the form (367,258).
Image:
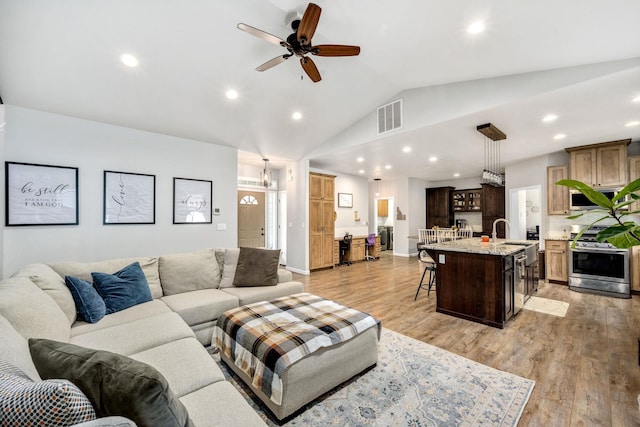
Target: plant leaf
(630,188)
(594,196)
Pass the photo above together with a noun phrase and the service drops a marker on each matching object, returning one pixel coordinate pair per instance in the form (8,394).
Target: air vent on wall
(390,117)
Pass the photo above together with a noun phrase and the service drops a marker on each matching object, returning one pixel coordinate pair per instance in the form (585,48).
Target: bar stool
(430,266)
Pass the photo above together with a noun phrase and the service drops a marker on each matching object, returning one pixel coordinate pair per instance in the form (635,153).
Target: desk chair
(430,266)
(369,243)
(345,248)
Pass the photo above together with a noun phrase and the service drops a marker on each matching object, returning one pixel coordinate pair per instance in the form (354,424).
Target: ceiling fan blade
(335,50)
(310,68)
(261,34)
(309,23)
(272,62)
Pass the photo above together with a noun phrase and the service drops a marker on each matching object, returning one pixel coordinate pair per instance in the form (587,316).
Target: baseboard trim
(296,270)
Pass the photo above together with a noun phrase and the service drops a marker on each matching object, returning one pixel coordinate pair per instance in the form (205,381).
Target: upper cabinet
(439,211)
(467,200)
(600,165)
(557,195)
(383,207)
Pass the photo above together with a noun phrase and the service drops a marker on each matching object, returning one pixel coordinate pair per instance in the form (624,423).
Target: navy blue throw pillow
(122,289)
(89,305)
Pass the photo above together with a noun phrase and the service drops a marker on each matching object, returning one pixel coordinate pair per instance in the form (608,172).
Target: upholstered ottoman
(291,350)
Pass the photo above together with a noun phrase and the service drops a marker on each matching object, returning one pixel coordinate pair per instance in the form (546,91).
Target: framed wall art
(40,194)
(192,201)
(129,198)
(345,200)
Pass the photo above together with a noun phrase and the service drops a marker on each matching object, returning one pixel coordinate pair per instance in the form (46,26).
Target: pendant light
(265,175)
(377,180)
(492,172)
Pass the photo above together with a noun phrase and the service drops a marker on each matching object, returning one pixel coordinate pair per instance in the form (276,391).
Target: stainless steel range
(598,267)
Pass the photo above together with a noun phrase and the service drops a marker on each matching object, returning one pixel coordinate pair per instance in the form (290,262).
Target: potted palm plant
(621,234)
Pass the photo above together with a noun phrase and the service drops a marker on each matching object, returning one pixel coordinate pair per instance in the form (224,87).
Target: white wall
(297,217)
(2,159)
(43,138)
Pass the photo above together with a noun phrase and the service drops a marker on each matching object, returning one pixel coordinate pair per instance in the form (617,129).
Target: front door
(251,219)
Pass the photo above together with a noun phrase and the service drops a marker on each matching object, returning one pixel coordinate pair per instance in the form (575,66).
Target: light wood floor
(585,365)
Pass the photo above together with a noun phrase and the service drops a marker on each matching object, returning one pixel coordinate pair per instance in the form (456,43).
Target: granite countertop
(475,246)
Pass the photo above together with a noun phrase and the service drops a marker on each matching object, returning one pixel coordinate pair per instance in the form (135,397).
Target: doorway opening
(524,213)
(384,209)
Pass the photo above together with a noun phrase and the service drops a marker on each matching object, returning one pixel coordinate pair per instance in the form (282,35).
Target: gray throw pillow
(257,267)
(229,267)
(115,384)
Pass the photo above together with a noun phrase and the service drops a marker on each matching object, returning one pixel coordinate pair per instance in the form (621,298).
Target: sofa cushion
(189,272)
(136,312)
(53,402)
(264,293)
(89,304)
(200,306)
(257,267)
(52,283)
(137,335)
(15,350)
(122,289)
(115,384)
(229,267)
(206,408)
(83,270)
(202,370)
(32,312)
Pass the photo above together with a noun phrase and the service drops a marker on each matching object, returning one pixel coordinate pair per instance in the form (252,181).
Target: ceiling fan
(299,43)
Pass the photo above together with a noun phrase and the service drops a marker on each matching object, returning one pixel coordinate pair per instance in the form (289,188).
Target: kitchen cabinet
(492,209)
(321,220)
(557,195)
(467,200)
(600,165)
(634,268)
(383,207)
(634,173)
(557,260)
(439,211)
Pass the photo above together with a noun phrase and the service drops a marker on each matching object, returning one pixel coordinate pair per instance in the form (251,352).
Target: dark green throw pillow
(257,267)
(115,384)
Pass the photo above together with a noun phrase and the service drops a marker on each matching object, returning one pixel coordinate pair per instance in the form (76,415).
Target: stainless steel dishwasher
(519,281)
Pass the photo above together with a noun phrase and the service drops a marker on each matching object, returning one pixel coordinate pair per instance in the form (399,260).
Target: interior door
(251,214)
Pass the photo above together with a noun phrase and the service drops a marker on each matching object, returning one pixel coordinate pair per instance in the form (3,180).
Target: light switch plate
(221,227)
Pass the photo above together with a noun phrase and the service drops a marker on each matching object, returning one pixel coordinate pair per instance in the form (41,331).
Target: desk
(357,251)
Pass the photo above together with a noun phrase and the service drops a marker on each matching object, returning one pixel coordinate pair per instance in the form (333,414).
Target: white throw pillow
(229,269)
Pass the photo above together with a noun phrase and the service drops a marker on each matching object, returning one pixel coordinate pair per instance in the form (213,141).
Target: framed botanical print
(345,200)
(40,194)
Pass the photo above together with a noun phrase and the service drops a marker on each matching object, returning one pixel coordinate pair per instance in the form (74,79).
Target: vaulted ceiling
(576,59)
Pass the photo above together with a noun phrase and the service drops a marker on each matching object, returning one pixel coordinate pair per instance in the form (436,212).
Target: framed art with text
(40,194)
(129,198)
(345,200)
(192,201)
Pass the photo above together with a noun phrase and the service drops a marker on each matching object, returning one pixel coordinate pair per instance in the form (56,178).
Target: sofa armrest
(108,422)
(284,275)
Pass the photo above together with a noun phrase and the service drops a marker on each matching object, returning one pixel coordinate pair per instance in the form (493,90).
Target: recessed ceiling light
(632,123)
(406,150)
(456,175)
(297,115)
(361,171)
(433,159)
(559,136)
(549,118)
(360,159)
(636,99)
(387,166)
(232,94)
(129,60)
(476,27)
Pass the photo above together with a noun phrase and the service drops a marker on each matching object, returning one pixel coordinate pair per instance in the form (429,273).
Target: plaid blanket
(265,338)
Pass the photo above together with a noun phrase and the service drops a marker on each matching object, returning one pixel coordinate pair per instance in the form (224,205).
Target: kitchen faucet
(493,231)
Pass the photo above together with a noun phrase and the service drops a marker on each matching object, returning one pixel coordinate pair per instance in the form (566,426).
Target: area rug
(547,306)
(413,384)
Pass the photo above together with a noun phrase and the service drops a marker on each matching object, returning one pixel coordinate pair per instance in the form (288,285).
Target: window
(248,200)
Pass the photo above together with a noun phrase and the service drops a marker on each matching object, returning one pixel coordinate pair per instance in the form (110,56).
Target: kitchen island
(476,280)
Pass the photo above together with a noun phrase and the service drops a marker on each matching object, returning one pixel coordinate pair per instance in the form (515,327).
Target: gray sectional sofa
(168,333)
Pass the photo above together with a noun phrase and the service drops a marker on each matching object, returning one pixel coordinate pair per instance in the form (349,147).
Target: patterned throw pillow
(24,402)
